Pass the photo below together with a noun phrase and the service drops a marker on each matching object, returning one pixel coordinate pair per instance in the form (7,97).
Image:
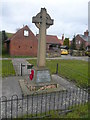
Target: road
(69,57)
(65,57)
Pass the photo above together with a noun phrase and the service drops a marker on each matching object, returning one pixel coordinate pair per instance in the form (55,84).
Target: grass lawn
(74,70)
(7,68)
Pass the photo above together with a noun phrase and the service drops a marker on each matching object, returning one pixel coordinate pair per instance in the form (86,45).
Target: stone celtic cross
(42,21)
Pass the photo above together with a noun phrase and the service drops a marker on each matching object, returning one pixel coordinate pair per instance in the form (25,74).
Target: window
(79,42)
(26,33)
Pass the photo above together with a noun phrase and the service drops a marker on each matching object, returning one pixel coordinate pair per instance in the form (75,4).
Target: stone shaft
(42,41)
(42,21)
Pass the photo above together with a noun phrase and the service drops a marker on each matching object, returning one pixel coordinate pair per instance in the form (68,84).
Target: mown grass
(74,70)
(7,68)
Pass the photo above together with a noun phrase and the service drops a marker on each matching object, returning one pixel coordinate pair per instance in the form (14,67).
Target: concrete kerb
(27,92)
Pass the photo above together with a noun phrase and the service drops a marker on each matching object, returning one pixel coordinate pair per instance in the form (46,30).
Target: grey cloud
(69,16)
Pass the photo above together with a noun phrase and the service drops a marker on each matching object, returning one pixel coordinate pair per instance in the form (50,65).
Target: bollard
(21,69)
(57,69)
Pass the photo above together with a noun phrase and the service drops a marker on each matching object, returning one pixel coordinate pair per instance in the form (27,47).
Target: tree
(73,44)
(82,47)
(4,36)
(66,42)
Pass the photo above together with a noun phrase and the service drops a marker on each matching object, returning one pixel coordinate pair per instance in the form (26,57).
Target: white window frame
(79,42)
(26,33)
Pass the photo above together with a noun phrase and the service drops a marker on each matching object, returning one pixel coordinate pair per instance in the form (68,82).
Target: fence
(7,70)
(41,105)
(80,79)
(77,77)
(15,70)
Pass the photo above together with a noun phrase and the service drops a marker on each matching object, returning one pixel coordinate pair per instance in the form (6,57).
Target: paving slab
(10,86)
(0,86)
(64,82)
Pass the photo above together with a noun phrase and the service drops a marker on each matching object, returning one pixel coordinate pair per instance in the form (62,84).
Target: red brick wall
(78,38)
(22,45)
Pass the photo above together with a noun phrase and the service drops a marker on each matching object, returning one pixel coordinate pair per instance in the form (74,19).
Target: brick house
(23,42)
(82,39)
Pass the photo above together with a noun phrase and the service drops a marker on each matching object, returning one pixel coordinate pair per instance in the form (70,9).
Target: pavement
(10,85)
(64,82)
(0,86)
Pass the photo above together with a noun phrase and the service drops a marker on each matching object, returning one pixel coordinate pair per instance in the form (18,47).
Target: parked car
(64,52)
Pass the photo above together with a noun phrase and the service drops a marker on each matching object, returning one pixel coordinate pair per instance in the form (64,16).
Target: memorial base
(41,83)
(29,89)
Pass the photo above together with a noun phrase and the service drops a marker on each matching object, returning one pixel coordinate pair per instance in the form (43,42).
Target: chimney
(86,33)
(63,37)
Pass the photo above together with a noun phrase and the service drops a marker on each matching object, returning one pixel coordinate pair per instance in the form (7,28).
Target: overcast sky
(70,16)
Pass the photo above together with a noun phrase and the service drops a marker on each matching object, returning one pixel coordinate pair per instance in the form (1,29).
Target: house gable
(85,39)
(79,41)
(23,42)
